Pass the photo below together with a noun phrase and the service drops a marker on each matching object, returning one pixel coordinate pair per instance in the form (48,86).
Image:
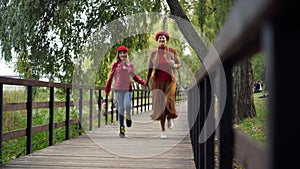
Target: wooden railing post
(80,109)
(226,125)
(200,125)
(145,100)
(137,100)
(112,107)
(132,100)
(148,99)
(29,120)
(193,119)
(51,115)
(117,111)
(210,123)
(91,110)
(1,118)
(67,123)
(281,42)
(106,109)
(99,108)
(199,102)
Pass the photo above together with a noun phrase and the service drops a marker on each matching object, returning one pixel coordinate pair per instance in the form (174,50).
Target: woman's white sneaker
(163,135)
(170,123)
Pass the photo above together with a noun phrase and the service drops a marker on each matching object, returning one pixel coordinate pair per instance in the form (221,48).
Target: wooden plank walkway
(102,148)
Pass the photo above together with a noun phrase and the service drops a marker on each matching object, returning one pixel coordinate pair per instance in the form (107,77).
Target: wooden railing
(251,27)
(140,101)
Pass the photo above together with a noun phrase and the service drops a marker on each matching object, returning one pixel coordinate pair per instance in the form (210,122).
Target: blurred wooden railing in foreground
(252,26)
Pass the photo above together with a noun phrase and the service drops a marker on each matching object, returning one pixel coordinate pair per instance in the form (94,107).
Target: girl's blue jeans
(124,103)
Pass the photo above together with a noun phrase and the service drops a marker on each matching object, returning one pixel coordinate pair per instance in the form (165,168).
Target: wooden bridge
(251,27)
(102,148)
(98,145)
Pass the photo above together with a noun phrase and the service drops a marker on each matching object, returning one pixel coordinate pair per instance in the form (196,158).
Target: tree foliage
(46,36)
(212,15)
(50,37)
(259,67)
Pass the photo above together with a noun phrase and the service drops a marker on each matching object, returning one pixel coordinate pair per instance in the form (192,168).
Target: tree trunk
(243,91)
(242,74)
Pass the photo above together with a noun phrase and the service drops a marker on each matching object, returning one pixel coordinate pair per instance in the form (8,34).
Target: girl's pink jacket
(122,73)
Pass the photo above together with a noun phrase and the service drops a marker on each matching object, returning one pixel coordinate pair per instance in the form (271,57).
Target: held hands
(146,85)
(177,66)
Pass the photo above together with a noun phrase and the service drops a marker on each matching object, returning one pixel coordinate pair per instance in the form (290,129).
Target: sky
(6,70)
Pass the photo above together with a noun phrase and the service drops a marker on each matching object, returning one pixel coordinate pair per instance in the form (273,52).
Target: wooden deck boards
(102,148)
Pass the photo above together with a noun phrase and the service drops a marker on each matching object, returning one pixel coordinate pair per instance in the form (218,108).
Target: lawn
(256,127)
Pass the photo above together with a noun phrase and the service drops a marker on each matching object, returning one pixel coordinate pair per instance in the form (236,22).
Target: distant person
(162,65)
(264,96)
(258,87)
(122,71)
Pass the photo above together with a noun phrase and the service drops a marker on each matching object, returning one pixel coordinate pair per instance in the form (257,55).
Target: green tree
(259,67)
(46,36)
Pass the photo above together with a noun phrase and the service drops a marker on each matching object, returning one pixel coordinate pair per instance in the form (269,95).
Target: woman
(122,71)
(162,65)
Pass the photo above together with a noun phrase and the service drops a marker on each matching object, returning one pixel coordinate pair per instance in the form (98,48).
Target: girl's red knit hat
(122,48)
(162,33)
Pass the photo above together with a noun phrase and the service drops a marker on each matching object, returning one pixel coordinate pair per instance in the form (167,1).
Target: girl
(122,71)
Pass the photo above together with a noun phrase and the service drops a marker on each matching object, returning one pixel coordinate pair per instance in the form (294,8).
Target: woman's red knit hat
(122,48)
(162,33)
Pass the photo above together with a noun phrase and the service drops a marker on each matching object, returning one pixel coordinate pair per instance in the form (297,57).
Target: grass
(256,127)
